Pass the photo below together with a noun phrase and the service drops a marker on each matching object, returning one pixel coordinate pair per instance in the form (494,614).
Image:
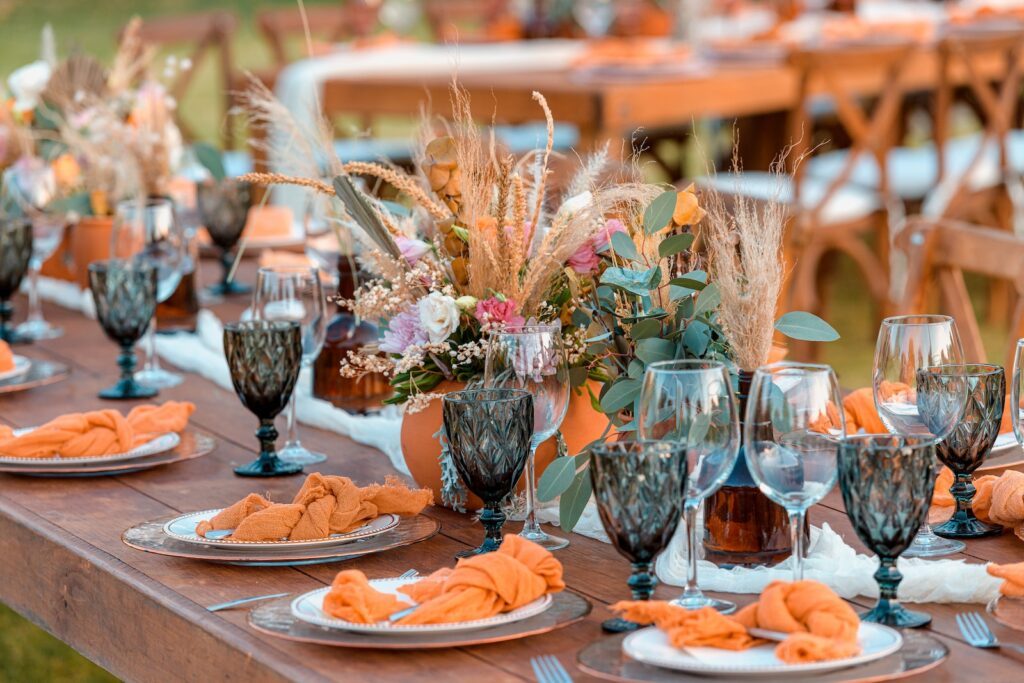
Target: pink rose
(585,260)
(495,311)
(412,249)
(604,236)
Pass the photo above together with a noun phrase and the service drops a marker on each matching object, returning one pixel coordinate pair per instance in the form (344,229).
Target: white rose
(439,316)
(28,83)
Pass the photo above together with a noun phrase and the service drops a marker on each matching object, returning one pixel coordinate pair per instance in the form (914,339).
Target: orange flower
(66,170)
(687,211)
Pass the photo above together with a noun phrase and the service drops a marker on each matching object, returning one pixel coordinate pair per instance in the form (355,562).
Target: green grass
(28,653)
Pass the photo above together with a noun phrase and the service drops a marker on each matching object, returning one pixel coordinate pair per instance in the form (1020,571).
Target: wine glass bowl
(223,208)
(47,233)
(639,488)
(488,433)
(264,357)
(16,240)
(964,449)
(887,484)
(124,293)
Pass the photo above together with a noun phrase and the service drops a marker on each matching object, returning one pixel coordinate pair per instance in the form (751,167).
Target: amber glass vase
(346,333)
(741,526)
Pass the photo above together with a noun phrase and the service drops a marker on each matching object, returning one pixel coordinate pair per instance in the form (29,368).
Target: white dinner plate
(651,646)
(1004,442)
(160,444)
(309,608)
(21,366)
(183,528)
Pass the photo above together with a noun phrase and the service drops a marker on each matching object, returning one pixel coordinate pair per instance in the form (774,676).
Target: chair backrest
(939,252)
(206,32)
(333,23)
(464,21)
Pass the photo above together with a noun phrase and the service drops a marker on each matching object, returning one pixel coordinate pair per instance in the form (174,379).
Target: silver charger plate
(191,445)
(164,442)
(40,373)
(1006,452)
(275,618)
(183,528)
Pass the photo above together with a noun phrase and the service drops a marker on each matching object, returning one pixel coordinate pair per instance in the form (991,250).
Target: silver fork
(548,669)
(412,573)
(978,634)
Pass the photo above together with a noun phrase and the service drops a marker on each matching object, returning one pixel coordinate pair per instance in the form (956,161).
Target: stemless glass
(47,232)
(294,293)
(125,296)
(639,487)
(488,433)
(794,420)
(223,210)
(264,357)
(690,402)
(15,253)
(887,484)
(532,357)
(965,448)
(907,344)
(147,231)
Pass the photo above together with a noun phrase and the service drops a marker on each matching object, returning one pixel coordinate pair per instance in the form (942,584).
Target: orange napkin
(6,357)
(271,258)
(268,221)
(324,505)
(101,432)
(481,586)
(821,624)
(861,412)
(1013,585)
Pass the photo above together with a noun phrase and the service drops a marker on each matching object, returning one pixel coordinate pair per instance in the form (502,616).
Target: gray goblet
(15,255)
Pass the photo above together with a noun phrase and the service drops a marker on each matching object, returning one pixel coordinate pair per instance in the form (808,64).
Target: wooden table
(143,616)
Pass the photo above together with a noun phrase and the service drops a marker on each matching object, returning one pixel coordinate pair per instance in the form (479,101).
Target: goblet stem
(225,269)
(889,611)
(641,585)
(963,492)
(127,387)
(268,464)
(796,531)
(493,518)
(6,311)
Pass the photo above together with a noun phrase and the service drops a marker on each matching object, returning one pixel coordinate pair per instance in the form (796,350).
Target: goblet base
(268,467)
(896,615)
(37,330)
(930,545)
(229,288)
(299,455)
(702,601)
(488,546)
(618,625)
(127,389)
(544,540)
(966,528)
(158,378)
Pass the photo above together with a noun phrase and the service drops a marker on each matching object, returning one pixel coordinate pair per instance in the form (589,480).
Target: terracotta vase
(90,241)
(421,450)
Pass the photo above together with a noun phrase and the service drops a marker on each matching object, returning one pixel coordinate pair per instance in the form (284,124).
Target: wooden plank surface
(143,616)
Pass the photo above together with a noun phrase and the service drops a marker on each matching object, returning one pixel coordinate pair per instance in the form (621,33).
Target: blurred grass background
(26,652)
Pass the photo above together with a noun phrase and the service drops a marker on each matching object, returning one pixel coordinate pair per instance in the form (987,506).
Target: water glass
(47,233)
(691,403)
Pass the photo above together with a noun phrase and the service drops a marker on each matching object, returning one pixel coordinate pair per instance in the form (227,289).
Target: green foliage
(210,157)
(659,212)
(805,327)
(623,246)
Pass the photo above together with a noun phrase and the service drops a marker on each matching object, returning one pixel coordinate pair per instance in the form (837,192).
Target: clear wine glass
(294,293)
(1016,384)
(146,231)
(595,17)
(906,345)
(532,357)
(792,428)
(47,232)
(690,402)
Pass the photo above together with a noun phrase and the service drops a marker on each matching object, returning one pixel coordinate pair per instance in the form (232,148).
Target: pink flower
(495,311)
(403,331)
(585,260)
(412,249)
(604,236)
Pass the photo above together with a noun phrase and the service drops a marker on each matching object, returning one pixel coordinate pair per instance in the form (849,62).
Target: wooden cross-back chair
(207,32)
(467,21)
(330,23)
(939,252)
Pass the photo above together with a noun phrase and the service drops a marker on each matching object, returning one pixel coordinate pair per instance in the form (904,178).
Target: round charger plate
(275,618)
(309,608)
(191,445)
(1006,452)
(920,652)
(1008,611)
(651,646)
(39,373)
(164,442)
(21,366)
(183,528)
(150,537)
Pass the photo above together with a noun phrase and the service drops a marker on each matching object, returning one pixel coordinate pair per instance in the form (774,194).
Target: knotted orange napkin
(481,586)
(97,433)
(1013,585)
(997,499)
(324,505)
(821,624)
(6,357)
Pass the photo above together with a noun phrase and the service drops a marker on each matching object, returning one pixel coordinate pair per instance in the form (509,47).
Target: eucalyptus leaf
(635,369)
(659,212)
(698,429)
(580,318)
(577,376)
(558,476)
(696,339)
(654,349)
(637,282)
(675,244)
(650,327)
(687,283)
(805,327)
(620,395)
(623,245)
(211,159)
(708,300)
(574,500)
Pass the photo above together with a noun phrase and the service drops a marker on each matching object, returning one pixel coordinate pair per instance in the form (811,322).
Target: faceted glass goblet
(887,484)
(264,357)
(125,296)
(640,489)
(489,433)
(223,210)
(15,255)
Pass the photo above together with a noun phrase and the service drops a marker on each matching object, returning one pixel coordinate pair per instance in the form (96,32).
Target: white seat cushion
(849,203)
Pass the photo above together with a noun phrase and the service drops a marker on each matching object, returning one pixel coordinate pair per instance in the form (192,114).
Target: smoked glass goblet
(640,487)
(887,484)
(489,433)
(125,296)
(15,254)
(223,210)
(965,448)
(264,357)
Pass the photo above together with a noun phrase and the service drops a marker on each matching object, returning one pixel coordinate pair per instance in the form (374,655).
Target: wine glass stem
(796,530)
(35,311)
(293,432)
(692,590)
(152,362)
(531,524)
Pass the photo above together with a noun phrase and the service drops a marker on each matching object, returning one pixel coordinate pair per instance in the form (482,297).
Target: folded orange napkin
(821,625)
(481,586)
(324,505)
(101,432)
(1013,575)
(997,499)
(6,357)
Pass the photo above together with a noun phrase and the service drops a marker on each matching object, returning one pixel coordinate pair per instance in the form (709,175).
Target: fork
(548,669)
(977,633)
(412,573)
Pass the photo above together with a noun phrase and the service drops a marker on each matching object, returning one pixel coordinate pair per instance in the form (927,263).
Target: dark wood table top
(143,616)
